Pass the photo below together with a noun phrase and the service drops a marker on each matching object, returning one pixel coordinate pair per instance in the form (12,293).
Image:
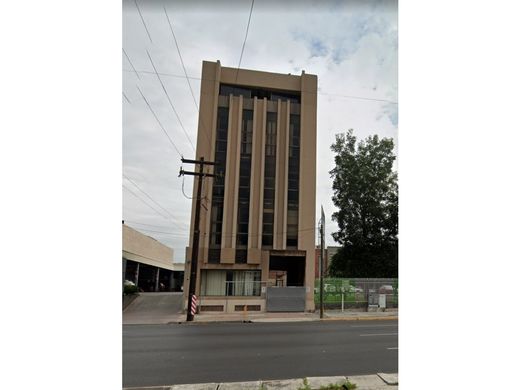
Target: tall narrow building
(257,240)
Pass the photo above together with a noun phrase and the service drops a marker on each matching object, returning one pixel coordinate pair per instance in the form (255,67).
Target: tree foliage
(366,195)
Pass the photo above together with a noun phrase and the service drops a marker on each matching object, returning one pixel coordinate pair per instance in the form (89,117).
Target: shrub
(130,289)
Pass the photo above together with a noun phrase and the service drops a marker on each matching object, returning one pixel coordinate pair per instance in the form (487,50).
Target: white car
(386,289)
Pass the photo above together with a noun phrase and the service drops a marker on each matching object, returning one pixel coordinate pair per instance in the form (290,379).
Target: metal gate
(285,299)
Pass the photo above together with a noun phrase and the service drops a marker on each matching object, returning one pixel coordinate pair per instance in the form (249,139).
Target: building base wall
(230,305)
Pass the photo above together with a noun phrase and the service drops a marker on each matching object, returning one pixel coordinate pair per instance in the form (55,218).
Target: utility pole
(196,230)
(322,235)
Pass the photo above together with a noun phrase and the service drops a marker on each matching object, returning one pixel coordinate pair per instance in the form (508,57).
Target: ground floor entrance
(287,271)
(286,291)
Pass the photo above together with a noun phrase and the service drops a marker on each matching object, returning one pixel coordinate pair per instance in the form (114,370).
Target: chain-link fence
(350,293)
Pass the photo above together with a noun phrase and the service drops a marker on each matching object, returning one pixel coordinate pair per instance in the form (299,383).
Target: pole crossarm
(188,161)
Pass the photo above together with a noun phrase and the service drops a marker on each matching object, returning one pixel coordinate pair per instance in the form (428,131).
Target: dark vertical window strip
(217,201)
(293,181)
(246,146)
(269,180)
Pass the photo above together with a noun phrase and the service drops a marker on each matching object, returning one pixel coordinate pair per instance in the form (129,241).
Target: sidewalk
(363,382)
(296,317)
(331,315)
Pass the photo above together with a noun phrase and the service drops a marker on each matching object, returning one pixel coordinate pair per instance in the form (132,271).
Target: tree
(365,193)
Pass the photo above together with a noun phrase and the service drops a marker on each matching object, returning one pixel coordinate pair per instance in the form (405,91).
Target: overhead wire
(126,97)
(144,224)
(205,129)
(245,39)
(161,232)
(145,202)
(318,93)
(160,124)
(169,100)
(131,64)
(142,19)
(186,196)
(180,56)
(153,200)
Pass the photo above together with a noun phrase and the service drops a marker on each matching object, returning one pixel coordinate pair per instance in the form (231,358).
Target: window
(269,179)
(248,92)
(246,145)
(230,283)
(293,181)
(217,202)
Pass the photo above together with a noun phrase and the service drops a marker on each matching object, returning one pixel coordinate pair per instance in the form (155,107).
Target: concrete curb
(361,318)
(364,382)
(265,320)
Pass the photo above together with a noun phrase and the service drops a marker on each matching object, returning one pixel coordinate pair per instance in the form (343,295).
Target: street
(155,355)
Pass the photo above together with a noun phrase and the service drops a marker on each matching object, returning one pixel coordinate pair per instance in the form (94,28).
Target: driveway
(154,308)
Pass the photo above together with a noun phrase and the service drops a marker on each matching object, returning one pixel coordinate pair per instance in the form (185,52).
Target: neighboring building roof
(145,249)
(179,266)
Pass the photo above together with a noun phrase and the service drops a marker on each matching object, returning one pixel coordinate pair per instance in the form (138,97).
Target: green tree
(366,195)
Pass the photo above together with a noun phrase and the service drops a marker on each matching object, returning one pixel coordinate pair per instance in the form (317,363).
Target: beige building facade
(148,264)
(257,226)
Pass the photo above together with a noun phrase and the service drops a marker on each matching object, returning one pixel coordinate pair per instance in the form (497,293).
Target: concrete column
(157,279)
(137,276)
(256,189)
(124,273)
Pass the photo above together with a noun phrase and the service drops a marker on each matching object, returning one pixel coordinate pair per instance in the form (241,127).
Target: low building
(149,264)
(330,251)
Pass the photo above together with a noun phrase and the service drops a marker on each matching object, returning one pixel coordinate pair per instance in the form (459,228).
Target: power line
(182,62)
(144,24)
(245,39)
(161,232)
(357,97)
(171,104)
(149,197)
(145,202)
(187,78)
(144,224)
(160,124)
(165,74)
(318,93)
(186,196)
(132,65)
(126,97)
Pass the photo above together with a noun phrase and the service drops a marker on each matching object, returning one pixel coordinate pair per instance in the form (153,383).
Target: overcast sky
(350,45)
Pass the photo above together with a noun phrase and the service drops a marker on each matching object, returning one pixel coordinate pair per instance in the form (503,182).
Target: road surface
(155,355)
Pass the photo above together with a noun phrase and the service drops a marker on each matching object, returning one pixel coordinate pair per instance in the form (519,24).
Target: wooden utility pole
(322,256)
(196,230)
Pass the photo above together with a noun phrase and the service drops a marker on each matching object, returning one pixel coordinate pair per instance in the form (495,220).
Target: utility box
(382,301)
(373,299)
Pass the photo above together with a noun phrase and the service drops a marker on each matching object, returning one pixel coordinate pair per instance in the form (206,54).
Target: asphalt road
(155,355)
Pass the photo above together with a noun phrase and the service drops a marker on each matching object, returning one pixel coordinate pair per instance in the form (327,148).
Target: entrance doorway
(287,271)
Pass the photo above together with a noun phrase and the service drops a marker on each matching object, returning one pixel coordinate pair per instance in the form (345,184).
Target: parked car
(386,289)
(129,283)
(354,289)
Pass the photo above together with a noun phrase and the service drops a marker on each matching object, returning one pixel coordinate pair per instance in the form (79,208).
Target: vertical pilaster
(256,185)
(227,253)
(280,214)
